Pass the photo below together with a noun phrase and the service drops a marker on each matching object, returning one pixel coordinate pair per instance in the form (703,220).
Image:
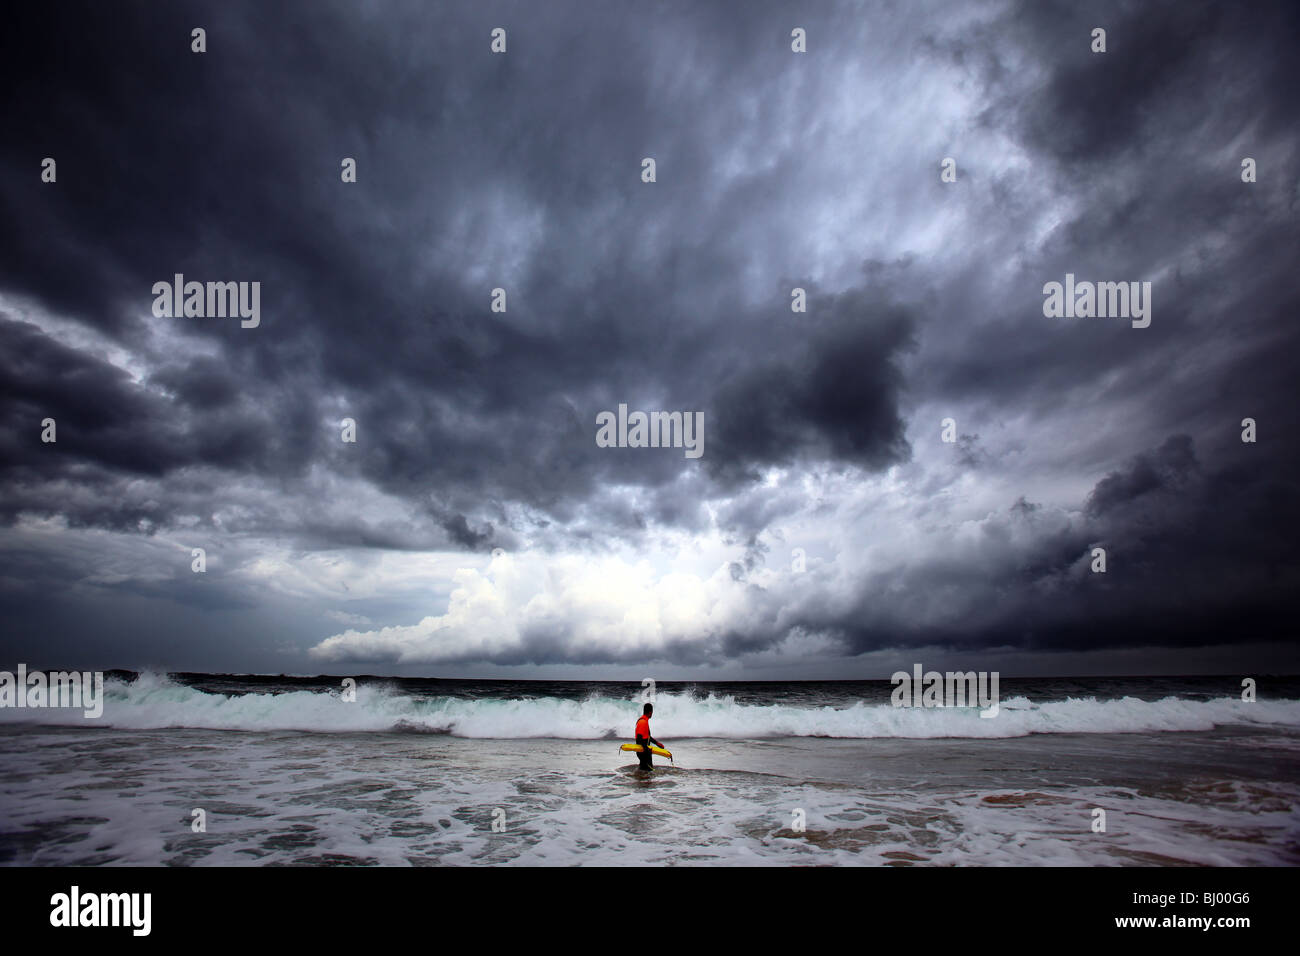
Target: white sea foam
(153,702)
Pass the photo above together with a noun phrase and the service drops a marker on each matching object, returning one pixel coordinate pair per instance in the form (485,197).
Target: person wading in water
(644,739)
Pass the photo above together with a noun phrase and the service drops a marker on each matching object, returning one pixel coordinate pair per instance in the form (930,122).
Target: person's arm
(658,744)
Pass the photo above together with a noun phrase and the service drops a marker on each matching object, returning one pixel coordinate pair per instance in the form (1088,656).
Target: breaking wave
(153,702)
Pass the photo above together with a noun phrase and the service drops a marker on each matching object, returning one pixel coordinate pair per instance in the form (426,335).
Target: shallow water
(73,795)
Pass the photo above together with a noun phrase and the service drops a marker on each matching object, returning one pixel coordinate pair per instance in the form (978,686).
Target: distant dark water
(812,693)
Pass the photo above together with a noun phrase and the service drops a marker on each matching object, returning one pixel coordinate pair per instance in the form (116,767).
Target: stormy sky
(475,527)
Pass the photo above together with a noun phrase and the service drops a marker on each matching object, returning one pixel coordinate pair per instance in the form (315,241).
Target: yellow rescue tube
(636,749)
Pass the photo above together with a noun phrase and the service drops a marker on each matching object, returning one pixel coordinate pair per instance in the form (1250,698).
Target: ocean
(284,770)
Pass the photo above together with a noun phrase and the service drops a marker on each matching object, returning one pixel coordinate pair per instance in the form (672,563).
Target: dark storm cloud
(463,535)
(225,166)
(1192,560)
(829,392)
(1145,141)
(111,431)
(522,171)
(201,383)
(1166,65)
(88,395)
(1163,469)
